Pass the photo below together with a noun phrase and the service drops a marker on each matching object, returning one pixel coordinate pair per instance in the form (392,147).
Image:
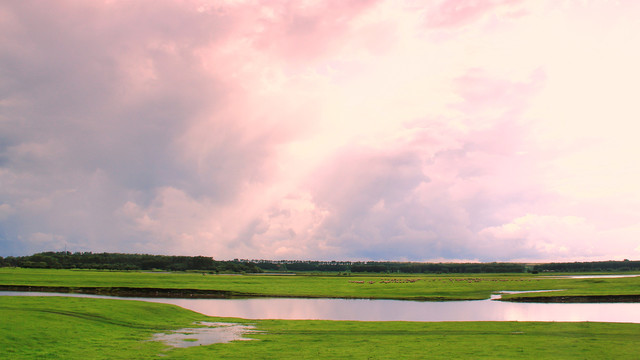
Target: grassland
(422,287)
(79,328)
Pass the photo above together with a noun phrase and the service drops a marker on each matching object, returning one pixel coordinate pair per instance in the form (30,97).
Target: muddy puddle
(210,333)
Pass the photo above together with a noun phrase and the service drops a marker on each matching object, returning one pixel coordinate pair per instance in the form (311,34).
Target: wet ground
(210,333)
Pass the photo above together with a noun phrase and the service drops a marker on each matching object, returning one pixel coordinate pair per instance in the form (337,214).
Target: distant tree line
(118,261)
(593,266)
(444,268)
(388,267)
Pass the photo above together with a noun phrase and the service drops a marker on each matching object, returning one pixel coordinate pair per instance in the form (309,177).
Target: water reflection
(395,310)
(590,276)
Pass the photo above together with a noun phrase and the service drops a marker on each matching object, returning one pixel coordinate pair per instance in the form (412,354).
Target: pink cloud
(481,92)
(549,237)
(455,13)
(318,129)
(305,31)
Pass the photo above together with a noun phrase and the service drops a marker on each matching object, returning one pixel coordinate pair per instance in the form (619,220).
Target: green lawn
(426,287)
(80,328)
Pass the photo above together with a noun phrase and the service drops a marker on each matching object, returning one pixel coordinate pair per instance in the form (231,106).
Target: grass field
(425,287)
(80,328)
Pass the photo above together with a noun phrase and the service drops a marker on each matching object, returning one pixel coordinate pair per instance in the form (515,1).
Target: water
(212,333)
(590,276)
(392,310)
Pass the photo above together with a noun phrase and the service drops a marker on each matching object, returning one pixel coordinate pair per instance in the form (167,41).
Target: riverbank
(191,293)
(129,291)
(576,299)
(216,294)
(396,286)
(79,328)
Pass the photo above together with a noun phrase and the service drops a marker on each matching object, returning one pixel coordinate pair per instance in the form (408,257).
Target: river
(391,310)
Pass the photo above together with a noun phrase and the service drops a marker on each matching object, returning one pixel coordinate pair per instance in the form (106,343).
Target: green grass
(73,328)
(428,287)
(80,328)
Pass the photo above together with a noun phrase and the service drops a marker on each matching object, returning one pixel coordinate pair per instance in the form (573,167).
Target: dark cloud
(95,97)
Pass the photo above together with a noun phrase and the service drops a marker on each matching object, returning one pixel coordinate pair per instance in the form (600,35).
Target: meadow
(389,286)
(74,328)
(81,328)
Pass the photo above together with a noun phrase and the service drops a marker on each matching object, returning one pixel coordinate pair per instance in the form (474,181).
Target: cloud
(327,130)
(453,14)
(307,31)
(6,210)
(542,236)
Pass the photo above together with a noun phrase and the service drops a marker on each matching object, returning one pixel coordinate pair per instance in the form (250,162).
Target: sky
(470,130)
